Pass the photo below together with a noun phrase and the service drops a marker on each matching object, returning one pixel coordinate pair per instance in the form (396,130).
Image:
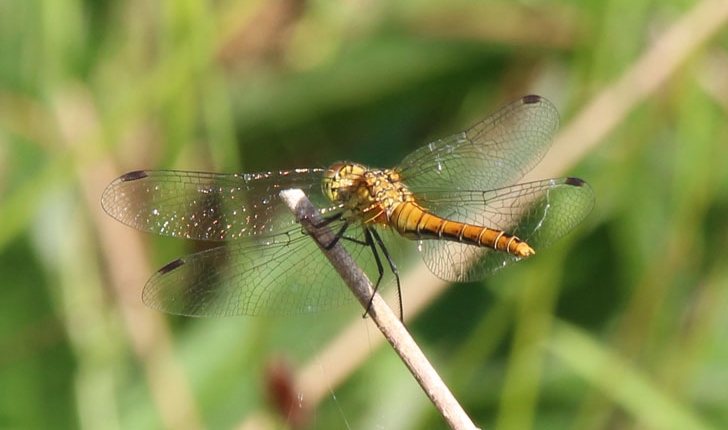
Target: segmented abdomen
(414,222)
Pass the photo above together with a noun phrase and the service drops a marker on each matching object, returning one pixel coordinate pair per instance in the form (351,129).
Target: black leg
(329,219)
(372,240)
(380,268)
(393,268)
(339,234)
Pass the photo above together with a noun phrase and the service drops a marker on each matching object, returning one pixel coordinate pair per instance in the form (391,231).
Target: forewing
(492,154)
(283,274)
(208,206)
(538,212)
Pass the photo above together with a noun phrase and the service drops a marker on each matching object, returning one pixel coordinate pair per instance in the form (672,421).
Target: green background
(624,324)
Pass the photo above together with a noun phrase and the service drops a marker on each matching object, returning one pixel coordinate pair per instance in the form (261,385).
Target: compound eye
(331,183)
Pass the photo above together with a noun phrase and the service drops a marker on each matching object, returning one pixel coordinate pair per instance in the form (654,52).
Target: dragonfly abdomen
(414,222)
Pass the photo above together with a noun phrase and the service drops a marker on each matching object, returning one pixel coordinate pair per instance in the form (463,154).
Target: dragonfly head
(342,181)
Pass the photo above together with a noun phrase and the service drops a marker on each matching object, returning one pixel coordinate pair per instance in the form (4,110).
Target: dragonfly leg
(371,233)
(372,240)
(328,220)
(380,268)
(339,234)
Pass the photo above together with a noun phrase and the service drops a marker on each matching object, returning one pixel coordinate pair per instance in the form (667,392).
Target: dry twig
(387,322)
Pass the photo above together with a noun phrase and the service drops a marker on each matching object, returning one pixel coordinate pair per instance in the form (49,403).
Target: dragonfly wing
(494,153)
(283,274)
(208,206)
(537,212)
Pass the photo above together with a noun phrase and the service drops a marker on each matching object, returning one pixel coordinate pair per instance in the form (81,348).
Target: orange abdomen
(414,222)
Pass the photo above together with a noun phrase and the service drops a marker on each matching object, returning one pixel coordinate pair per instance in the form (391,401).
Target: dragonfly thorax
(370,195)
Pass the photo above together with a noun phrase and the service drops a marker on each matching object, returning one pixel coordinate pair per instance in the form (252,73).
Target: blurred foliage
(622,325)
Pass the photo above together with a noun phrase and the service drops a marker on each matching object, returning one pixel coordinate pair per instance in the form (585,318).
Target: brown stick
(388,323)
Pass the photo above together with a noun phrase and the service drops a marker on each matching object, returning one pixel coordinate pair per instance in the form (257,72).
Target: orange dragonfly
(456,198)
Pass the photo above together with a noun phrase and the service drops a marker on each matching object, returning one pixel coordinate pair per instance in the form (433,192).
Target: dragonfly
(457,198)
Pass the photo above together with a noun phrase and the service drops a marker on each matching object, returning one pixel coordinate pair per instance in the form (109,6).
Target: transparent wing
(268,266)
(208,206)
(282,274)
(537,212)
(492,154)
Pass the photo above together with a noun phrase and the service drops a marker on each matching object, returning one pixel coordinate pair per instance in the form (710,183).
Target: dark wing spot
(575,182)
(171,266)
(133,176)
(531,99)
